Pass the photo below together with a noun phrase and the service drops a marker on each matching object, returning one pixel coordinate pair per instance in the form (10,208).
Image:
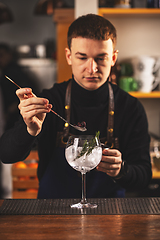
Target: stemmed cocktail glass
(83,153)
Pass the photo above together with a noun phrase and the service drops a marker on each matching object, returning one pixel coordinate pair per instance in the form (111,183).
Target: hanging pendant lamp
(5,14)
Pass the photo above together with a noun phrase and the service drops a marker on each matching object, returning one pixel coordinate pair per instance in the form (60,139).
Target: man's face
(91,61)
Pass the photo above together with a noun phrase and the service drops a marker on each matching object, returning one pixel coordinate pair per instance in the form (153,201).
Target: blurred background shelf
(155,94)
(63,14)
(155,174)
(150,12)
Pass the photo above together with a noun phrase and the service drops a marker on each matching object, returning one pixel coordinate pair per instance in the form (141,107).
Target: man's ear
(114,57)
(68,56)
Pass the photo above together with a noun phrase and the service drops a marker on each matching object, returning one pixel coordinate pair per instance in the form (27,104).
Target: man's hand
(111,162)
(33,110)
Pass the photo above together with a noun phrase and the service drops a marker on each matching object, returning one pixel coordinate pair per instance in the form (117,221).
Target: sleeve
(16,143)
(2,124)
(135,146)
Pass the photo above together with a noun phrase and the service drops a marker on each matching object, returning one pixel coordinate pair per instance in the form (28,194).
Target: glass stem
(84,200)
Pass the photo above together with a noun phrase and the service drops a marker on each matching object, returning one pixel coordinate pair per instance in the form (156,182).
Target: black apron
(60,180)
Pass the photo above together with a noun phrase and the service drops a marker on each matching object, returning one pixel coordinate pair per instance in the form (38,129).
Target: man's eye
(99,59)
(82,58)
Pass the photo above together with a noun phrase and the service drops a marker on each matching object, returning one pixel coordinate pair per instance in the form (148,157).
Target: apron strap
(67,108)
(110,128)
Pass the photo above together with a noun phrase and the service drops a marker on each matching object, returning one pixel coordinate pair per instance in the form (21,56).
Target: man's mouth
(91,78)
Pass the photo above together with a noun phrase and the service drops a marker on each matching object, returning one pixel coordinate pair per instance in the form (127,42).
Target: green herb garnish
(88,146)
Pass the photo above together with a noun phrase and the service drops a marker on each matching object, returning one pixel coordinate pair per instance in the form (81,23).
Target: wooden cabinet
(63,18)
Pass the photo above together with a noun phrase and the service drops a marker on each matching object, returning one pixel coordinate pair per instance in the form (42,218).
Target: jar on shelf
(106,3)
(153,3)
(139,3)
(155,154)
(122,4)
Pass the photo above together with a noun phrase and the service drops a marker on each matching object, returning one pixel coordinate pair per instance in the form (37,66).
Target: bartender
(88,96)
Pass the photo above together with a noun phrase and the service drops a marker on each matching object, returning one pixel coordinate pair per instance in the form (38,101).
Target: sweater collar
(84,97)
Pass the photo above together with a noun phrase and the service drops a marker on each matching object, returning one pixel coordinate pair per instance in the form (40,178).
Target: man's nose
(92,66)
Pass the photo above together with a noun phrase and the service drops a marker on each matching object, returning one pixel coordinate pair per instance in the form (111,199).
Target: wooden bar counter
(132,226)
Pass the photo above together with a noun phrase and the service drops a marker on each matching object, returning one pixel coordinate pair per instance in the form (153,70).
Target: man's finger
(24,93)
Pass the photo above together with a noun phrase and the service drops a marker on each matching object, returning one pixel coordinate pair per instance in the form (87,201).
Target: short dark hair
(92,26)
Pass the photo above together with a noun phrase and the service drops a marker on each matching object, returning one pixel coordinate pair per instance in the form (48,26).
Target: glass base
(81,205)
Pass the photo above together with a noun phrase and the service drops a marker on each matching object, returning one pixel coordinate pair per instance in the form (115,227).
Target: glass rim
(83,136)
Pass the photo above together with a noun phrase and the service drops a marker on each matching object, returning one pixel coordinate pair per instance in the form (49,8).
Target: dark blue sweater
(57,178)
